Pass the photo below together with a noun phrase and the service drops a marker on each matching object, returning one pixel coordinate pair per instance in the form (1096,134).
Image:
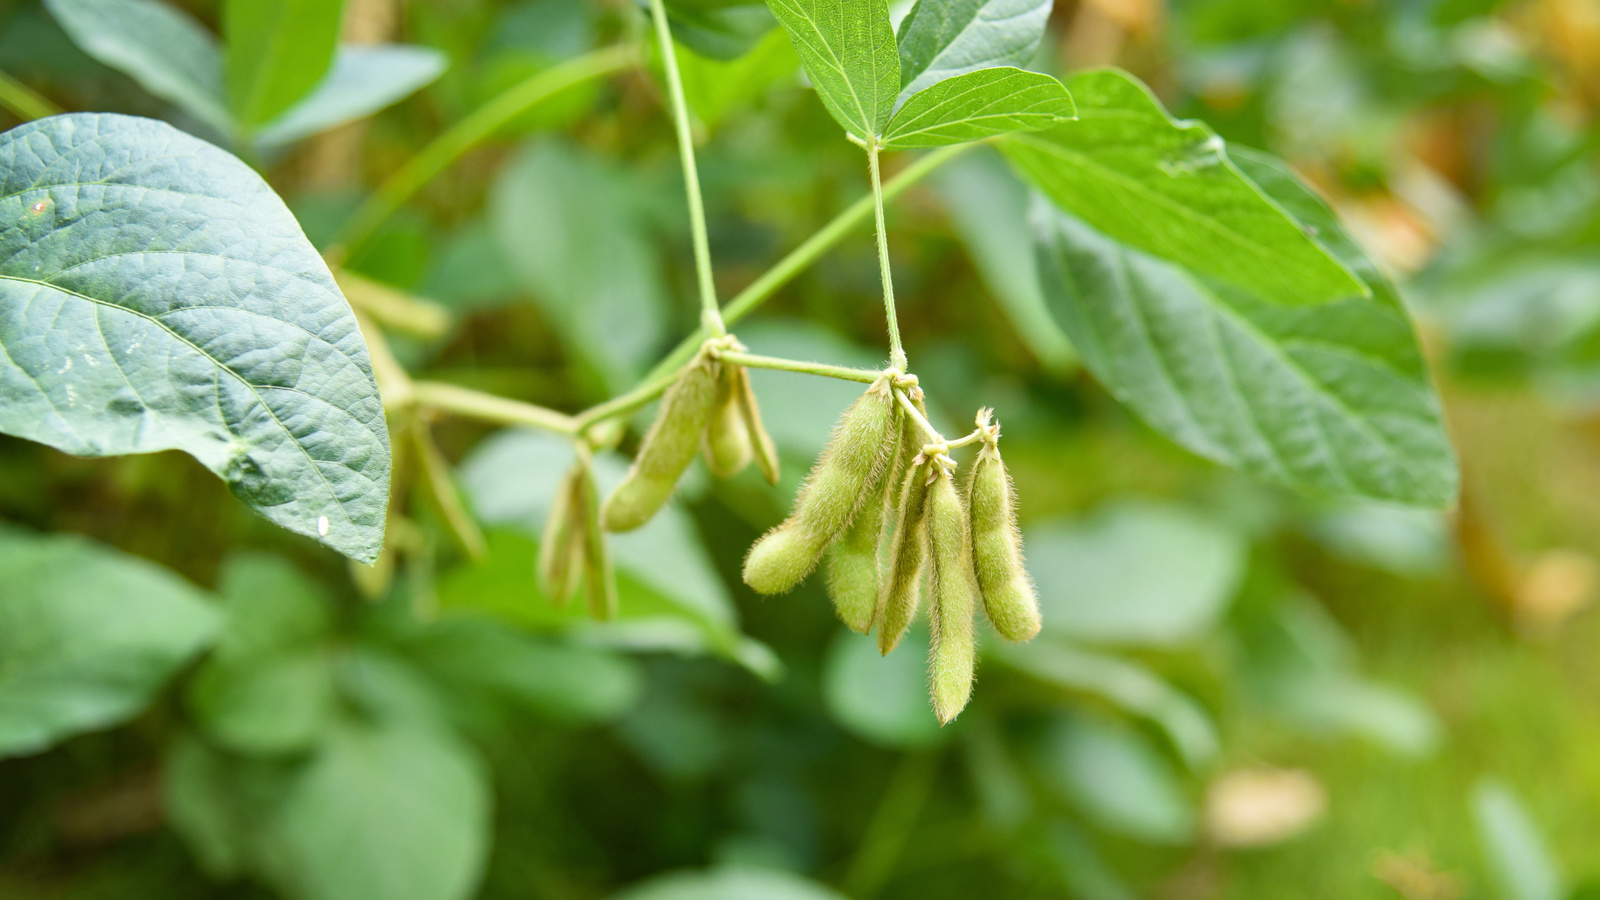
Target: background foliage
(1239,692)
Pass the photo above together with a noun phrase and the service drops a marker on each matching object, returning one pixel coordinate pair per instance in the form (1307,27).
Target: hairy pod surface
(728,447)
(782,558)
(854,568)
(1009,598)
(599,578)
(561,548)
(668,447)
(952,652)
(766,452)
(902,587)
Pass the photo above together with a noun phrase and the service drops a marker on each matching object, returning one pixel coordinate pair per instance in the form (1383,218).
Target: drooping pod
(832,494)
(668,447)
(1009,598)
(599,578)
(901,592)
(766,452)
(728,445)
(561,548)
(853,566)
(952,654)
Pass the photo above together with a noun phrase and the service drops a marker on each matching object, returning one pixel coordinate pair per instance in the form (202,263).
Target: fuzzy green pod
(854,570)
(902,587)
(830,497)
(1009,598)
(561,550)
(766,452)
(668,447)
(599,578)
(952,653)
(728,447)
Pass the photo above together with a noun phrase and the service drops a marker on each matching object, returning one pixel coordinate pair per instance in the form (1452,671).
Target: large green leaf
(1331,399)
(155,294)
(87,636)
(719,29)
(1113,775)
(977,105)
(1169,188)
(168,53)
(277,52)
(362,81)
(941,39)
(848,50)
(881,699)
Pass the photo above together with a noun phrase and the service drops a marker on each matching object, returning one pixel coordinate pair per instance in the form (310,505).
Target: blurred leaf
(1513,851)
(978,105)
(219,803)
(158,295)
(714,89)
(1117,780)
(941,39)
(1331,399)
(1083,869)
(719,29)
(163,49)
(881,699)
(277,52)
(87,637)
(270,607)
(575,234)
(848,50)
(363,80)
(1408,542)
(1169,188)
(1135,573)
(989,210)
(1125,684)
(728,883)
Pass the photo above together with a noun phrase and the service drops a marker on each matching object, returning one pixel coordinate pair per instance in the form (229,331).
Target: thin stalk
(897,355)
(394,384)
(917,416)
(478,405)
(24,102)
(710,316)
(468,133)
(972,438)
(844,373)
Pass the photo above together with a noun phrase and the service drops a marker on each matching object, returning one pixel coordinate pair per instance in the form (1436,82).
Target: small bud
(765,452)
(668,447)
(561,547)
(599,579)
(902,588)
(953,647)
(781,559)
(1009,598)
(728,448)
(854,576)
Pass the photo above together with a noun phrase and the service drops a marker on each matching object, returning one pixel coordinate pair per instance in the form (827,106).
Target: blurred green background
(1239,692)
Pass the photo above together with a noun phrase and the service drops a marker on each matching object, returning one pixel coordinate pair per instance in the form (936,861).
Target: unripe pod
(953,648)
(561,547)
(728,448)
(599,579)
(766,452)
(1009,598)
(854,576)
(668,447)
(830,497)
(902,587)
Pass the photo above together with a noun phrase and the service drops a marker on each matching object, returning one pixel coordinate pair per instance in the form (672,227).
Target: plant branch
(897,354)
(478,405)
(844,373)
(918,417)
(710,315)
(23,101)
(468,133)
(400,311)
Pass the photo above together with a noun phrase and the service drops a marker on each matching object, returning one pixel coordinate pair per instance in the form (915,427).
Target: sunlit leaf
(277,52)
(155,294)
(848,50)
(942,39)
(978,105)
(363,80)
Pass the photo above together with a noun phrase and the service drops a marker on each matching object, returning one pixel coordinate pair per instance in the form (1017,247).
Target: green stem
(917,416)
(897,354)
(478,405)
(711,317)
(844,373)
(24,102)
(471,131)
(972,438)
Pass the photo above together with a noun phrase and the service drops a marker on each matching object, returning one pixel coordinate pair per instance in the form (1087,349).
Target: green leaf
(848,50)
(1170,189)
(880,699)
(719,29)
(1135,573)
(1330,399)
(1513,850)
(1117,779)
(155,294)
(165,50)
(277,52)
(713,89)
(362,81)
(728,883)
(977,105)
(87,637)
(941,39)
(275,704)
